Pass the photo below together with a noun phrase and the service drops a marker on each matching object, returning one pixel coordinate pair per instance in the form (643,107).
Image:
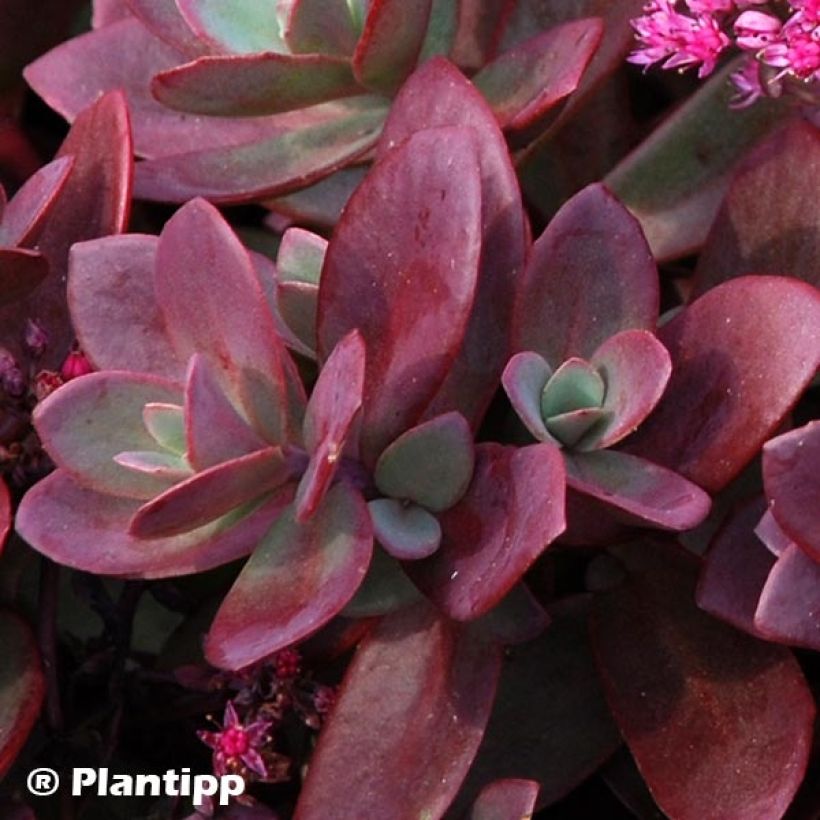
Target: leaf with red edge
(693,697)
(321,27)
(215,432)
(20,273)
(406,531)
(513,510)
(523,84)
(23,218)
(646,493)
(550,722)
(636,368)
(524,379)
(89,420)
(22,687)
(590,276)
(114,308)
(254,84)
(390,44)
(735,569)
(506,800)
(163,19)
(299,578)
(212,493)
(789,606)
(6,514)
(725,398)
(276,163)
(792,481)
(402,267)
(89,531)
(768,222)
(240,27)
(409,718)
(438,95)
(331,412)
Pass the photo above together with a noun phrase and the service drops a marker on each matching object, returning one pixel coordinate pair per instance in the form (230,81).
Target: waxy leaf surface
(241,27)
(321,27)
(506,800)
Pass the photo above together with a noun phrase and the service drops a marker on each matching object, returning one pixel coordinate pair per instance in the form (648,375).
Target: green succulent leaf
(576,385)
(166,425)
(238,27)
(406,531)
(301,256)
(569,428)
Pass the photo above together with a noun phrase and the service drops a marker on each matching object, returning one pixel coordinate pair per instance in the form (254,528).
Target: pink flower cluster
(781,39)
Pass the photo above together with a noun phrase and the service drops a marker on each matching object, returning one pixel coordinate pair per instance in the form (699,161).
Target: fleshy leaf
(431,464)
(163,19)
(254,85)
(88,531)
(85,423)
(692,697)
(211,493)
(406,531)
(791,475)
(167,466)
(568,428)
(20,273)
(301,256)
(6,514)
(439,95)
(114,308)
(513,510)
(166,425)
(296,306)
(524,83)
(772,535)
(517,618)
(402,268)
(575,385)
(299,578)
(321,27)
(390,43)
(506,800)
(524,380)
(241,27)
(22,687)
(23,217)
(636,368)
(408,721)
(724,398)
(590,276)
(647,493)
(386,588)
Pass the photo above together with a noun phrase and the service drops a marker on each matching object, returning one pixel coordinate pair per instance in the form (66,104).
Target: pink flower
(238,746)
(755,30)
(748,84)
(75,365)
(797,49)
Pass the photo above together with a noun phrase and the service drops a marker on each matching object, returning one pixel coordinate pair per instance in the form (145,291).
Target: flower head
(238,747)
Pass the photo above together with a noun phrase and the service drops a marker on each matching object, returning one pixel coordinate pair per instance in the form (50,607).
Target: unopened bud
(36,338)
(75,365)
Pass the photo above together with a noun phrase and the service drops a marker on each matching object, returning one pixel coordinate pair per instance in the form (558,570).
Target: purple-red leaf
(299,578)
(114,308)
(506,800)
(402,268)
(407,724)
(163,19)
(6,514)
(88,531)
(513,510)
(439,95)
(390,44)
(646,493)
(22,687)
(791,475)
(590,276)
(725,397)
(524,83)
(524,380)
(693,697)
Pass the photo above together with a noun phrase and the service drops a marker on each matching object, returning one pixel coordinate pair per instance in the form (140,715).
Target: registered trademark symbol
(43,782)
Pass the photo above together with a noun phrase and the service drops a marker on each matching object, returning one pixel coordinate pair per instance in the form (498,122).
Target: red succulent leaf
(390,44)
(285,156)
(250,85)
(513,510)
(768,223)
(114,307)
(590,276)
(321,27)
(89,420)
(331,412)
(407,724)
(212,493)
(480,22)
(636,368)
(22,687)
(298,578)
(692,697)
(23,218)
(20,273)
(789,606)
(735,569)
(88,531)
(243,27)
(772,535)
(517,618)
(6,515)
(402,267)
(215,431)
(524,83)
(792,481)
(639,491)
(725,398)
(506,800)
(163,19)
(439,95)
(550,722)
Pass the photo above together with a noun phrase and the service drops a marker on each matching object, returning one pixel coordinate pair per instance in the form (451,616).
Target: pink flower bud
(756,30)
(75,365)
(35,338)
